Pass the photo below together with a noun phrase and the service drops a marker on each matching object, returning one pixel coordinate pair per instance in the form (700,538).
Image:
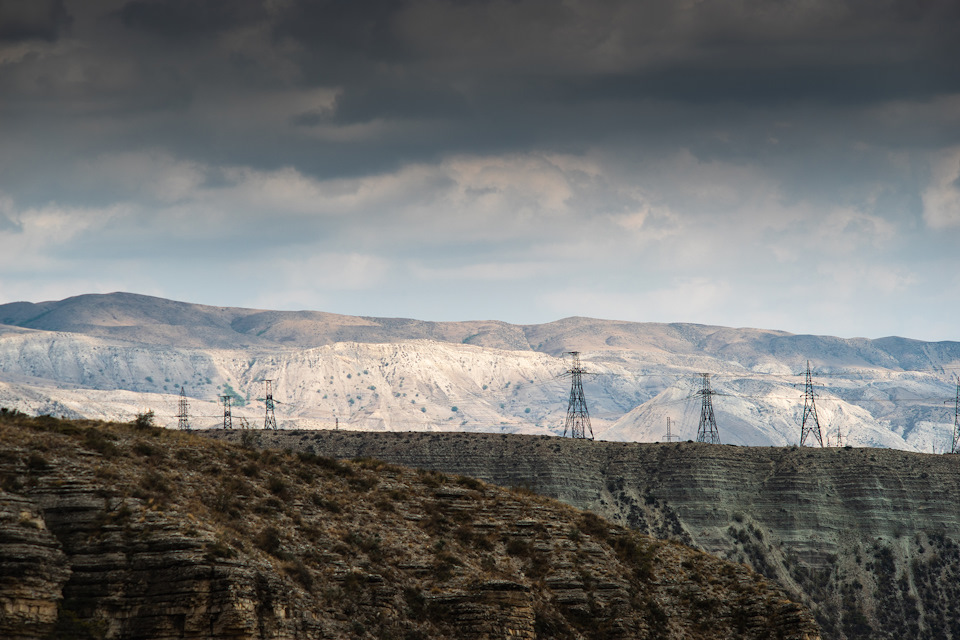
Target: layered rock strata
(867,537)
(110,531)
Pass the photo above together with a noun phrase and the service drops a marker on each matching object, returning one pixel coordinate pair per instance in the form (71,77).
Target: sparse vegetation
(395,535)
(236,399)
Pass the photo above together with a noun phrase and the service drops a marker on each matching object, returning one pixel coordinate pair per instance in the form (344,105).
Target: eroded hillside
(111,356)
(868,538)
(110,531)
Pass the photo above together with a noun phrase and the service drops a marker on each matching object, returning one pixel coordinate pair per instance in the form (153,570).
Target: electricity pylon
(707,431)
(182,420)
(956,421)
(578,418)
(810,423)
(670,437)
(270,420)
(227,417)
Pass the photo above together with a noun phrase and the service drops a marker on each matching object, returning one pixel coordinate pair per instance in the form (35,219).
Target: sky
(790,164)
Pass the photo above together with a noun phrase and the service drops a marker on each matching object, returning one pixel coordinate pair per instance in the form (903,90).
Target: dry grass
(351,534)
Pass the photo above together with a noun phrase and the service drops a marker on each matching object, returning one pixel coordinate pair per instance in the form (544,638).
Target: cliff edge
(110,531)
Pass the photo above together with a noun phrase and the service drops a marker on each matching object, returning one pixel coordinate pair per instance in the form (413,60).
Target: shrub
(299,572)
(324,503)
(144,420)
(593,525)
(145,449)
(218,549)
(154,482)
(519,548)
(268,539)
(470,483)
(363,483)
(36,462)
(249,441)
(277,486)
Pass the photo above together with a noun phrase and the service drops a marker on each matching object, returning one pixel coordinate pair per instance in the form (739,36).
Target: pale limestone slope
(114,355)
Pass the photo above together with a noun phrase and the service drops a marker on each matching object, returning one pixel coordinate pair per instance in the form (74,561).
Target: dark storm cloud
(399,100)
(863,84)
(477,138)
(34,19)
(340,37)
(182,18)
(491,74)
(512,74)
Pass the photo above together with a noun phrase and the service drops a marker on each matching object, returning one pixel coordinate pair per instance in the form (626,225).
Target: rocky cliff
(119,531)
(868,538)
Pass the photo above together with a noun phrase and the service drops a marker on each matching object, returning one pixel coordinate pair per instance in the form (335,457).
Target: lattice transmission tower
(227,416)
(707,431)
(578,418)
(183,422)
(956,421)
(269,420)
(810,424)
(670,436)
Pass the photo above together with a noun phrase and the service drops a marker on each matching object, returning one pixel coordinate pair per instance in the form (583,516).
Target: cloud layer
(782,164)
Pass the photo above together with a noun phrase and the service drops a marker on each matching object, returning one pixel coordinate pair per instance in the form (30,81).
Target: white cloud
(696,297)
(155,175)
(849,278)
(331,271)
(35,236)
(681,239)
(314,281)
(487,271)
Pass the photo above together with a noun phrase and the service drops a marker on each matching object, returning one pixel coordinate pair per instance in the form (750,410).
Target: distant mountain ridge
(151,320)
(101,355)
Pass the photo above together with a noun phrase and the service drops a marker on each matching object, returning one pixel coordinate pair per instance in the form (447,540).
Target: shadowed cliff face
(867,537)
(111,531)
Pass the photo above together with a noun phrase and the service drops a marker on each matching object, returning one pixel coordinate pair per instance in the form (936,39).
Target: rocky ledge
(869,539)
(114,531)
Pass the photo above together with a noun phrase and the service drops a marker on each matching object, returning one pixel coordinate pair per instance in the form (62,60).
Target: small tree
(144,420)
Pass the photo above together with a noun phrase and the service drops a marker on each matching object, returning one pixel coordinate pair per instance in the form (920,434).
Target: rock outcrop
(868,538)
(114,531)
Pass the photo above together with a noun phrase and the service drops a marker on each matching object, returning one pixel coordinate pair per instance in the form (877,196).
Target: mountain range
(114,355)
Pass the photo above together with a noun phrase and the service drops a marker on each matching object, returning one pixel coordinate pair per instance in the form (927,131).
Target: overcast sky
(787,165)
